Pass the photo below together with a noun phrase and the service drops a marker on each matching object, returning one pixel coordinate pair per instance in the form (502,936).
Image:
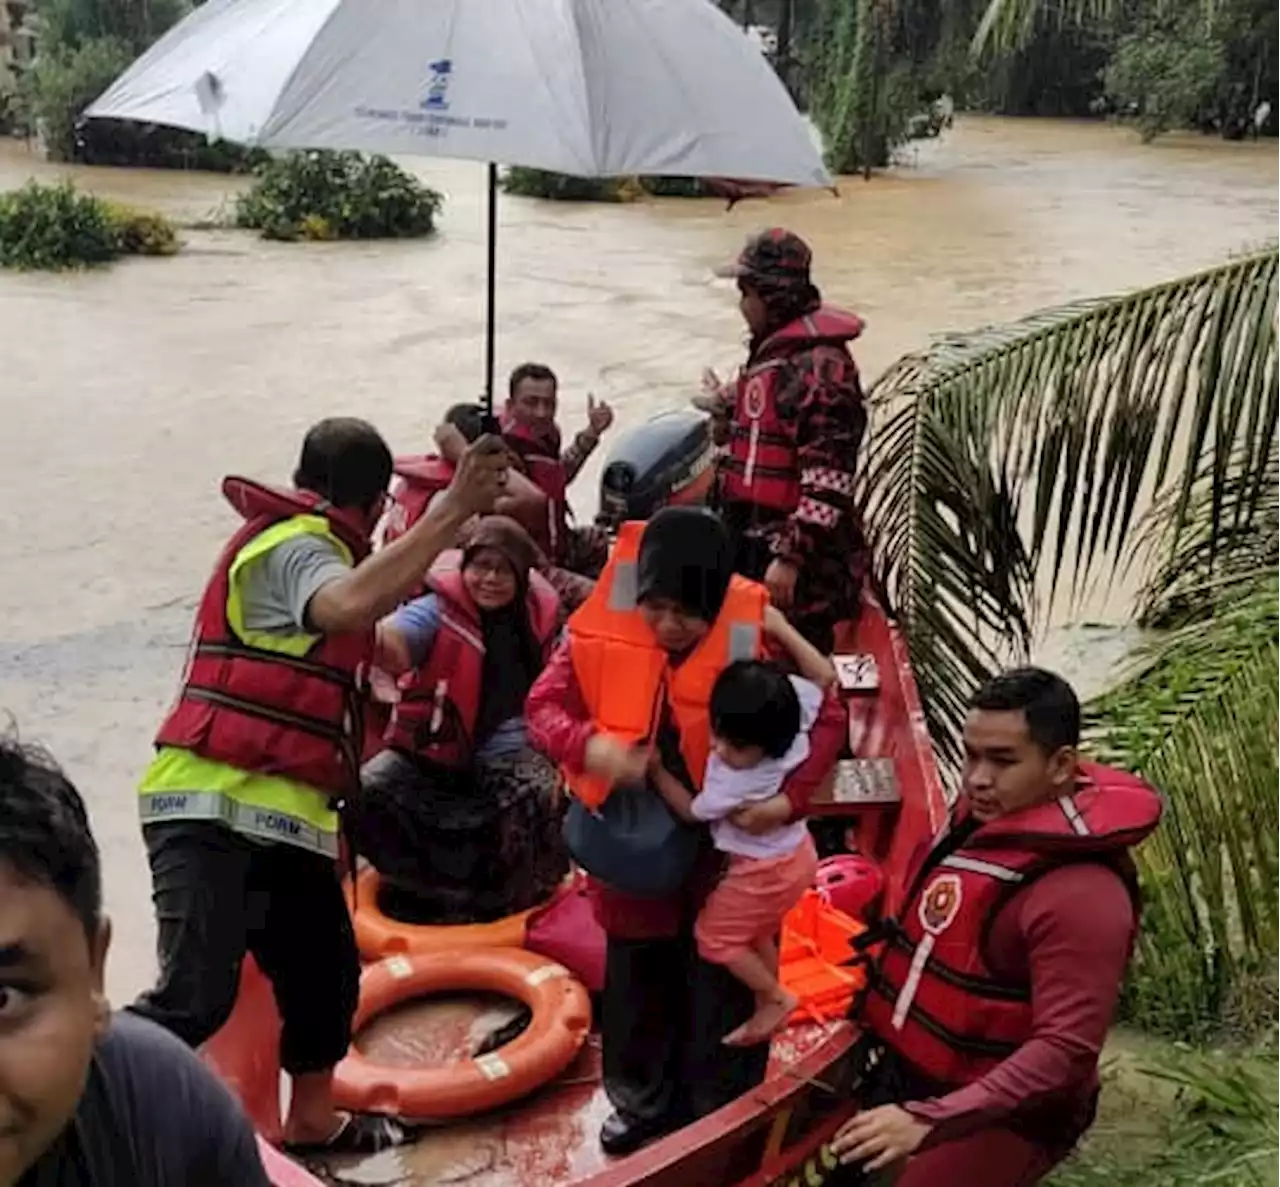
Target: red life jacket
(260,710)
(435,717)
(933,996)
(419,480)
(761,466)
(541,459)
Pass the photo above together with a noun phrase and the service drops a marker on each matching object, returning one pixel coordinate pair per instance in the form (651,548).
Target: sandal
(360,1133)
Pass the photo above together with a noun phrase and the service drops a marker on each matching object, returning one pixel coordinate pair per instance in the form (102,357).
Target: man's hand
(763,816)
(780,580)
(481,477)
(450,442)
(878,1137)
(614,762)
(713,385)
(599,415)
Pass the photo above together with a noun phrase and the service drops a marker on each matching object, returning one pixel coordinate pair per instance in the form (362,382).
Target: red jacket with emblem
(933,996)
(540,457)
(762,466)
(419,480)
(259,710)
(435,717)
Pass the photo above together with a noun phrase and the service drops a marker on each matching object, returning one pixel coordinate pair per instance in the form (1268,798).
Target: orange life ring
(561,1020)
(378,935)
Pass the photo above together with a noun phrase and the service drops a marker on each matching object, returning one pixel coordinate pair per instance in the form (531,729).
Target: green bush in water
(563,187)
(142,232)
(63,82)
(337,195)
(56,227)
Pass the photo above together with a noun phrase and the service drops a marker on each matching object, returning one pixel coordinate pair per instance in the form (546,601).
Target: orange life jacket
(624,675)
(761,466)
(933,996)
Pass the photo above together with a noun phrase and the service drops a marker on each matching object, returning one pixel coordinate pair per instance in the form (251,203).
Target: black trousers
(219,895)
(663,1014)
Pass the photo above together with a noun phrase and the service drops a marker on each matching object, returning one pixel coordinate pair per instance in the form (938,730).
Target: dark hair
(754,703)
(346,461)
(468,419)
(1046,700)
(539,371)
(44,831)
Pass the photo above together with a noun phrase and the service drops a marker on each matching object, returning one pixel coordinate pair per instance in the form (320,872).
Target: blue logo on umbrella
(438,90)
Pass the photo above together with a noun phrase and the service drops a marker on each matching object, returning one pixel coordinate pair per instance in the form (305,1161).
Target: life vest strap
(348,746)
(236,650)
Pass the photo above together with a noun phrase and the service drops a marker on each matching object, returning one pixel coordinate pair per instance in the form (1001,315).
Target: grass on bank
(1174,1117)
(56,227)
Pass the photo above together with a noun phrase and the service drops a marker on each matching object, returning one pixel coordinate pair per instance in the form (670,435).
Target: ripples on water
(127,393)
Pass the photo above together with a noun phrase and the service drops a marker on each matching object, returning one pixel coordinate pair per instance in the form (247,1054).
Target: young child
(760,722)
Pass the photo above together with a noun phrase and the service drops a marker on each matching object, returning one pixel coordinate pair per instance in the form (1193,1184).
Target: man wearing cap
(792,422)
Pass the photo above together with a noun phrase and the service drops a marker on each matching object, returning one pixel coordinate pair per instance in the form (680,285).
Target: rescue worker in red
(421,477)
(459,816)
(635,675)
(240,804)
(525,501)
(792,423)
(989,1003)
(529,427)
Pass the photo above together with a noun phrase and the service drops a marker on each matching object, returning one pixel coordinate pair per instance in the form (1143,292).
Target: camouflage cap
(776,257)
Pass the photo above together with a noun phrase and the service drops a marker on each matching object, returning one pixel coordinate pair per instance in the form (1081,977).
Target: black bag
(633,842)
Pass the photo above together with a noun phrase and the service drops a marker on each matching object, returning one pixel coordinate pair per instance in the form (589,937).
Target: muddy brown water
(128,392)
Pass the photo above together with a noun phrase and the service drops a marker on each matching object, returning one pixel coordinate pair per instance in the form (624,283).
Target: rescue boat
(887,797)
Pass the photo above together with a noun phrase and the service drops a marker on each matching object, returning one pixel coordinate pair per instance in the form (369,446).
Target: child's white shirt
(725,789)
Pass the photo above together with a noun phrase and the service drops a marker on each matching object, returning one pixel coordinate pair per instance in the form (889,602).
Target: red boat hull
(551,1137)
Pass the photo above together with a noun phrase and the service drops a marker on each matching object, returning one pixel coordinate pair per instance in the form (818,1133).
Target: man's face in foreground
(52,1011)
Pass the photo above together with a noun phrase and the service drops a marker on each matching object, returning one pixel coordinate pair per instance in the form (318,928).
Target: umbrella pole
(491,294)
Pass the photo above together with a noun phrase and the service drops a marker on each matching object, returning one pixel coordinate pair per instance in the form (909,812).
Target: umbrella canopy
(596,88)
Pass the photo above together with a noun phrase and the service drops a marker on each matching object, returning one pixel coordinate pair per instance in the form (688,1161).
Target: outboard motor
(666,460)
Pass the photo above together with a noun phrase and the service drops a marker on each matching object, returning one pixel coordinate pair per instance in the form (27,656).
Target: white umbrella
(596,88)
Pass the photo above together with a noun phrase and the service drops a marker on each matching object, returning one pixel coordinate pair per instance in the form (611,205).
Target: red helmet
(851,883)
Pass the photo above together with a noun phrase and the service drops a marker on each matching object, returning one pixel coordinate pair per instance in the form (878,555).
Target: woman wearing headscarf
(630,686)
(460,817)
(792,423)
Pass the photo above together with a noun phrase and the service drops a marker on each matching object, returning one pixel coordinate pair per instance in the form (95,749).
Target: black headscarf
(512,657)
(685,555)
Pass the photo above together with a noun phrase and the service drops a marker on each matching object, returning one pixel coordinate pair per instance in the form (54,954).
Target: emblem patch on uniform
(940,903)
(753,398)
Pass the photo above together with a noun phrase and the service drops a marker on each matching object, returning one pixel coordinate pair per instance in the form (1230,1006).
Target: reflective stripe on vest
(247,819)
(624,675)
(182,785)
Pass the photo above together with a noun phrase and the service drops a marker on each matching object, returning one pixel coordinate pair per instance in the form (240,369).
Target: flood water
(128,392)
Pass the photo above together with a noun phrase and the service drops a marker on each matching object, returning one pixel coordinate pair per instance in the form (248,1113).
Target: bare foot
(771,1016)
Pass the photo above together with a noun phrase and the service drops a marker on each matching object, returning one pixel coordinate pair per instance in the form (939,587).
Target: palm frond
(1008,26)
(1198,717)
(1221,549)
(1021,457)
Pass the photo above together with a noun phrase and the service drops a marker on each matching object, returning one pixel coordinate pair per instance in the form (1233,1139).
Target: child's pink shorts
(747,906)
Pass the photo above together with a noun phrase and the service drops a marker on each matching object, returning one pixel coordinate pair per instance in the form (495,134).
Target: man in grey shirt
(240,804)
(88,1099)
